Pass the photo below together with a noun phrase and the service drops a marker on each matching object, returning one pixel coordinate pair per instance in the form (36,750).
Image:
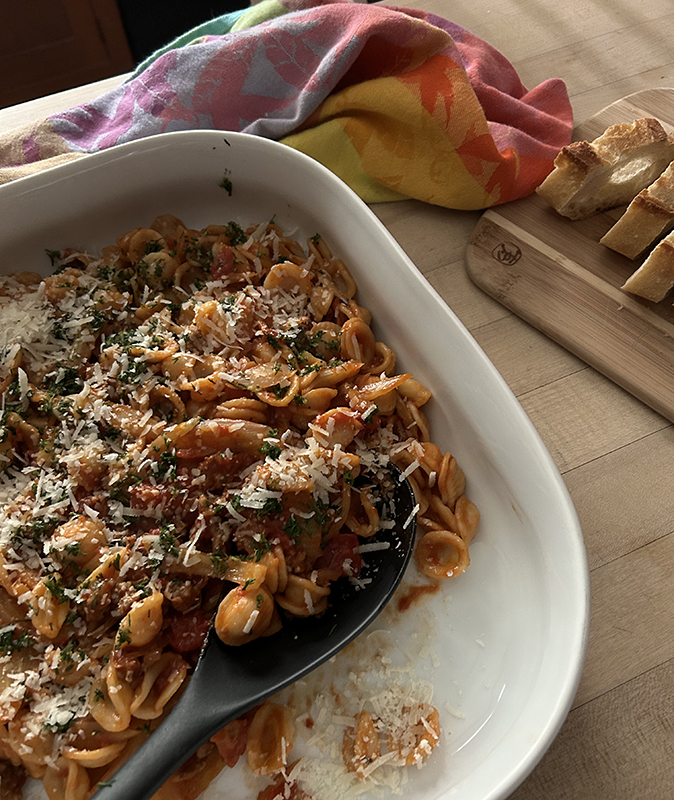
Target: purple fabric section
(31,150)
(266,80)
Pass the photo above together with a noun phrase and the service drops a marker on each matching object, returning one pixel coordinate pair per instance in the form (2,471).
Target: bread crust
(655,277)
(589,177)
(648,216)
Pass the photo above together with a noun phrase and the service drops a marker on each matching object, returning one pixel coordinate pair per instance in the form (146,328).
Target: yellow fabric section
(329,144)
(378,129)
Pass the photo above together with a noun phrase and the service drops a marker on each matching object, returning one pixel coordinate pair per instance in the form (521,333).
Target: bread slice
(655,277)
(589,177)
(648,216)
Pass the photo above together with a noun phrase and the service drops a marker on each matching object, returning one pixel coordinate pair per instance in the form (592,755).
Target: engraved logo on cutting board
(507,253)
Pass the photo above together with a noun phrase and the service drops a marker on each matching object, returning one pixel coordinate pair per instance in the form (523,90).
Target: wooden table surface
(615,454)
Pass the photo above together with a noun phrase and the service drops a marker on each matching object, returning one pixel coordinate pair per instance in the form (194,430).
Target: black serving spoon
(228,681)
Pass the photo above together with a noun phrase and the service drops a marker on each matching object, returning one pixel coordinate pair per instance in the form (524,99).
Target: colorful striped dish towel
(399,103)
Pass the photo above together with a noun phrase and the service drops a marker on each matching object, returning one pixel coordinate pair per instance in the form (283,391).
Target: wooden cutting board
(553,273)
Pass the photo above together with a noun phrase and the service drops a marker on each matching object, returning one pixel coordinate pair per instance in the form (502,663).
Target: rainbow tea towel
(399,103)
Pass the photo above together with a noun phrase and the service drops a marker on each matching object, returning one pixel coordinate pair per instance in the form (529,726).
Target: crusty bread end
(655,277)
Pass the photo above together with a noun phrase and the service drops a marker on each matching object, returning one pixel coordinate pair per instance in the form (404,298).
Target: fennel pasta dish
(186,419)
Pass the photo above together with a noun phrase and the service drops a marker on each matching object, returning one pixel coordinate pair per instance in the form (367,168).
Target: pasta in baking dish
(184,421)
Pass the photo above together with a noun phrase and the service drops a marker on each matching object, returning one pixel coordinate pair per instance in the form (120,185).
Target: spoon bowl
(228,681)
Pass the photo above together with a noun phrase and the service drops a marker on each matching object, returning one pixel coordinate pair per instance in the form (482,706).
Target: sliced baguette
(648,216)
(655,277)
(589,177)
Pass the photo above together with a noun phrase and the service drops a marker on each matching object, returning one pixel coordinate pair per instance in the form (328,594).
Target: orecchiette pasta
(270,739)
(361,744)
(185,424)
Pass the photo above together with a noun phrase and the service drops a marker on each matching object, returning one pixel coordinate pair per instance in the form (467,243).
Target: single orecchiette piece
(288,276)
(99,757)
(442,554)
(361,745)
(160,682)
(142,623)
(78,540)
(467,518)
(143,242)
(336,426)
(358,341)
(276,577)
(110,700)
(49,609)
(243,615)
(270,739)
(303,598)
(416,734)
(67,780)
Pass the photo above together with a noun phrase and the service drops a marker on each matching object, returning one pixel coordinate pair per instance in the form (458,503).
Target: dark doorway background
(150,24)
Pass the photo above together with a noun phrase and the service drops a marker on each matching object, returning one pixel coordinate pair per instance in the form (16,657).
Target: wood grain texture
(596,758)
(625,498)
(554,273)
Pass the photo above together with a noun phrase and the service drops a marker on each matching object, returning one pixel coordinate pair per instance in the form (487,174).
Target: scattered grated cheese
(248,627)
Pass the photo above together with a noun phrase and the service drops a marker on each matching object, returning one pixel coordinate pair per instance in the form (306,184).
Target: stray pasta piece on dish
(189,424)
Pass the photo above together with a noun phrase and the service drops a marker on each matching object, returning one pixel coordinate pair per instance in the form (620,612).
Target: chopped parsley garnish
(220,563)
(166,466)
(153,246)
(167,539)
(321,513)
(54,256)
(272,505)
(68,654)
(234,232)
(59,727)
(63,380)
(271,449)
(226,184)
(261,546)
(279,391)
(10,642)
(143,588)
(293,528)
(123,637)
(56,588)
(36,531)
(134,372)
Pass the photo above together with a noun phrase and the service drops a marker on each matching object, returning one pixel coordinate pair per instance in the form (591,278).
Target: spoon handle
(191,723)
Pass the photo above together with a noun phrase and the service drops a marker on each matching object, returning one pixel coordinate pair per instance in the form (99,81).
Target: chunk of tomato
(339,556)
(188,631)
(231,740)
(223,262)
